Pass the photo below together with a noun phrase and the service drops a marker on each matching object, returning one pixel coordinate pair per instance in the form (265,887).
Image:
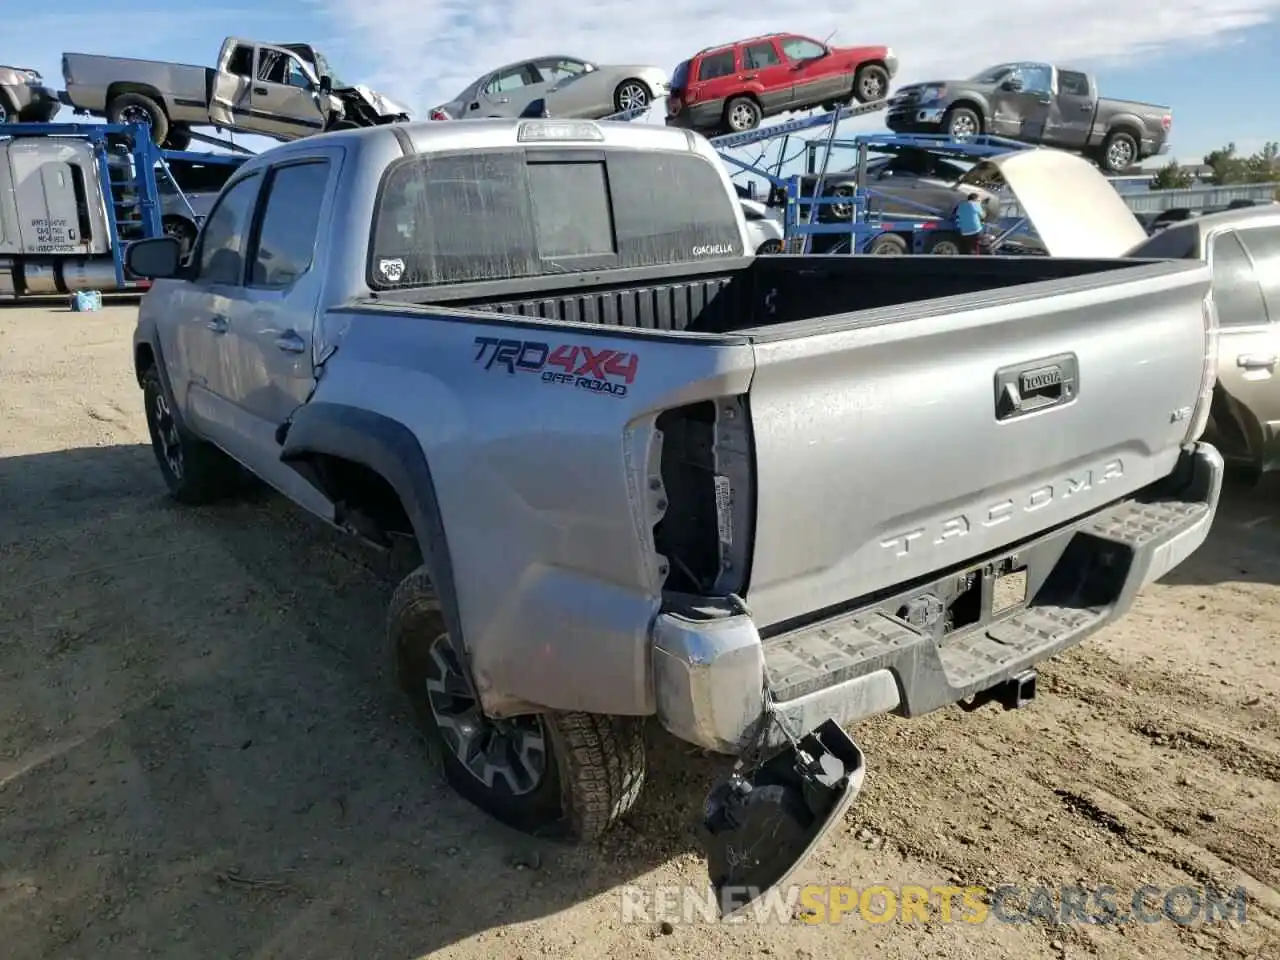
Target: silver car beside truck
(570,87)
(639,473)
(1242,247)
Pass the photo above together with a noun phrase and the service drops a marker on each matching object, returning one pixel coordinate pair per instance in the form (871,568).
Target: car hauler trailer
(71,197)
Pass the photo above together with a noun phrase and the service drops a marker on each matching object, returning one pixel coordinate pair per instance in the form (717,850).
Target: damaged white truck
(645,474)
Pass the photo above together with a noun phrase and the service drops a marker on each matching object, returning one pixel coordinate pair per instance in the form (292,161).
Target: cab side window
(223,240)
(1236,292)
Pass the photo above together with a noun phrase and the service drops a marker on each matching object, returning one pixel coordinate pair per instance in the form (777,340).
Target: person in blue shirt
(969,217)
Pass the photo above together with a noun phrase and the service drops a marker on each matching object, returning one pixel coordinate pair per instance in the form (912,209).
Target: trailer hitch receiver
(1013,694)
(761,824)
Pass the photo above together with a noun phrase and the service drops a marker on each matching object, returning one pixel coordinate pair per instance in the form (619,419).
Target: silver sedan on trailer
(571,87)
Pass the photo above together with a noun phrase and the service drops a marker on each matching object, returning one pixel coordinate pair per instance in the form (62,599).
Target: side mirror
(157,258)
(1013,85)
(326,84)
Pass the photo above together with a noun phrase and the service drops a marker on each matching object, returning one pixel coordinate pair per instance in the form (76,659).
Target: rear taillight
(1208,373)
(1166,121)
(439,115)
(704,497)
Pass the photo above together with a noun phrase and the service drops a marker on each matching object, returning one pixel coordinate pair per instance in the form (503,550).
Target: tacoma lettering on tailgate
(959,525)
(596,370)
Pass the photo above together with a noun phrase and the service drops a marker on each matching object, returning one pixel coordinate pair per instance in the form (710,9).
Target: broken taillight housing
(439,115)
(706,496)
(1208,373)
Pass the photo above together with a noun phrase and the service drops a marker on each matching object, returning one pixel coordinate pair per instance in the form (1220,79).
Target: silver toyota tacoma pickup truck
(646,474)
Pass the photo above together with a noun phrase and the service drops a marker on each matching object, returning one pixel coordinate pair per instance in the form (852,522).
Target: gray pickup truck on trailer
(278,90)
(1036,103)
(759,498)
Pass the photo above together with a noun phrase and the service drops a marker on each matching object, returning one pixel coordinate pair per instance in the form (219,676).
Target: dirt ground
(202,755)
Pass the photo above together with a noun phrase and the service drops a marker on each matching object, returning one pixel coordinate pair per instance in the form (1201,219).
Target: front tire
(565,775)
(631,94)
(870,83)
(195,471)
(962,122)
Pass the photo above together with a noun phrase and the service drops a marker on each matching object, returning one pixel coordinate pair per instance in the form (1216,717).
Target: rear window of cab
(509,213)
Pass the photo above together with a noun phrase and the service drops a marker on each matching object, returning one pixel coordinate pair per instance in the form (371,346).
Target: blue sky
(1213,61)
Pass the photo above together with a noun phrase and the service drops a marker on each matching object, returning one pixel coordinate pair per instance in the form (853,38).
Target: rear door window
(716,65)
(508,214)
(1236,292)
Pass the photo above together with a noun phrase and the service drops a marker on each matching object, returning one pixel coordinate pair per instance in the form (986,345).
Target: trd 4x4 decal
(598,370)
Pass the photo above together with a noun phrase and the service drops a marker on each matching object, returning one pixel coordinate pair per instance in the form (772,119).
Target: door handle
(217,323)
(1086,107)
(290,342)
(1249,361)
(503,100)
(751,76)
(260,90)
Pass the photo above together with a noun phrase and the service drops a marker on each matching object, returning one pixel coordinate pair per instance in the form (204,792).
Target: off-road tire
(159,120)
(596,763)
(207,473)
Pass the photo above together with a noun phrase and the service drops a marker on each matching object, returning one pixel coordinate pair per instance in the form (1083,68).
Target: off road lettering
(594,369)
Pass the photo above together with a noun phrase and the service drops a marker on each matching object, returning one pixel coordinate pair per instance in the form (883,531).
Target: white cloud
(428,52)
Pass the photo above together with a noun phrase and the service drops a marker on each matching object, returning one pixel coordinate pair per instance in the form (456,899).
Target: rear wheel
(139,108)
(888,245)
(8,113)
(570,775)
(1119,152)
(742,114)
(945,245)
(769,247)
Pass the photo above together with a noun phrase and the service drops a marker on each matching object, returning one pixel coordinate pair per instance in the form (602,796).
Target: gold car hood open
(1074,209)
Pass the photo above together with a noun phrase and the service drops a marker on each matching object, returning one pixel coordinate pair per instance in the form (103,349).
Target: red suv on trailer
(731,88)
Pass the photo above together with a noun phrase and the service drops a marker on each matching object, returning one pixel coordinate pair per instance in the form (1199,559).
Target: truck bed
(730,296)
(88,78)
(886,446)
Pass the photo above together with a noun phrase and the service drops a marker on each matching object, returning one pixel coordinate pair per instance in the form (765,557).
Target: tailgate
(888,446)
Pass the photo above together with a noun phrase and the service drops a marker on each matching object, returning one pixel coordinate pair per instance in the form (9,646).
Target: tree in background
(1171,177)
(1228,167)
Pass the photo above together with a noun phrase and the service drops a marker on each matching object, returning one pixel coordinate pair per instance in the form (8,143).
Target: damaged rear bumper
(714,676)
